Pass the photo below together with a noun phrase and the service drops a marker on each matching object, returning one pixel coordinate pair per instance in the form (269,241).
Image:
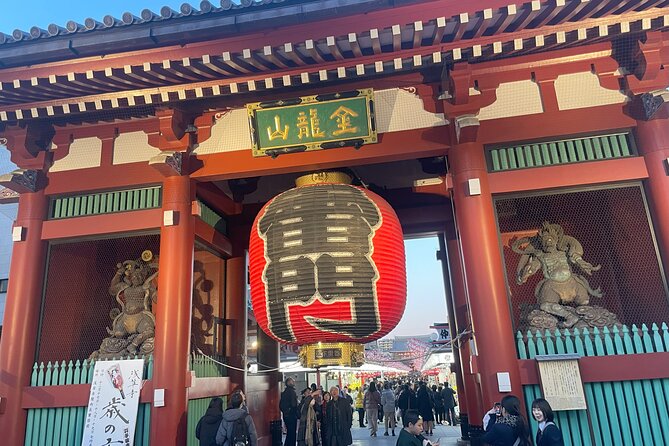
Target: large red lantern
(327,268)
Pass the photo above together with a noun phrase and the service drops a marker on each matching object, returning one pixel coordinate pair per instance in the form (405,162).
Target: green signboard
(313,123)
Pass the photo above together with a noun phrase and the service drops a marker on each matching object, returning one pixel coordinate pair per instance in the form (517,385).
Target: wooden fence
(64,426)
(620,413)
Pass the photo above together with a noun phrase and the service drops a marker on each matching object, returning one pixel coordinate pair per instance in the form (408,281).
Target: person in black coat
(206,428)
(406,400)
(425,406)
(548,433)
(338,420)
(288,406)
(448,395)
(506,426)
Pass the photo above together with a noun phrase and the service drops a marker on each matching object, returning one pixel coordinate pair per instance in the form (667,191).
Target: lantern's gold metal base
(325,176)
(322,354)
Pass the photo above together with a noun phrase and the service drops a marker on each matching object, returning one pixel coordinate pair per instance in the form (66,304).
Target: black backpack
(240,432)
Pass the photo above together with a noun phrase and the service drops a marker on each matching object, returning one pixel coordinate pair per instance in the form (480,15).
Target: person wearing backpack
(207,427)
(237,428)
(548,433)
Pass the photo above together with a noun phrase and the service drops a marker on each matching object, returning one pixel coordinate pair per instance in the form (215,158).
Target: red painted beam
(395,146)
(594,172)
(71,395)
(551,124)
(608,368)
(102,224)
(108,177)
(213,238)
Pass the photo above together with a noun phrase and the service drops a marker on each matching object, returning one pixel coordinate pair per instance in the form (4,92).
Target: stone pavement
(445,435)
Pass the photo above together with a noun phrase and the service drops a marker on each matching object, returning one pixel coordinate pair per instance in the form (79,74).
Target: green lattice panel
(105,202)
(567,151)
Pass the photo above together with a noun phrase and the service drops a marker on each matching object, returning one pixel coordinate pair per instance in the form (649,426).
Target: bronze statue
(133,326)
(563,295)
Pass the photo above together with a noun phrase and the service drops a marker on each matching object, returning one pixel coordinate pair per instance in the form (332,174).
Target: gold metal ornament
(322,177)
(322,354)
(147,255)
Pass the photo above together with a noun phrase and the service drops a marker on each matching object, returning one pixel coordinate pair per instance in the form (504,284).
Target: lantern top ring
(322,177)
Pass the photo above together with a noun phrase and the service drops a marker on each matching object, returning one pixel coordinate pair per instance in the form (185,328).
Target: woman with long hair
(323,417)
(505,426)
(548,433)
(307,433)
(372,400)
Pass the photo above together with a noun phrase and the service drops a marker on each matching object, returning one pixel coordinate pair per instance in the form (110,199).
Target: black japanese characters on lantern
(318,245)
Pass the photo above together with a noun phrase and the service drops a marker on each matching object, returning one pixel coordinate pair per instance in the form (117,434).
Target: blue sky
(425,303)
(25,14)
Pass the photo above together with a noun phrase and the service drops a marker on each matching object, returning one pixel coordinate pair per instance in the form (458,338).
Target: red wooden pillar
(21,321)
(470,395)
(236,308)
(173,313)
(484,272)
(653,143)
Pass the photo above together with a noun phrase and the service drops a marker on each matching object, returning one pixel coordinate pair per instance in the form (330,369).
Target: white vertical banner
(113,403)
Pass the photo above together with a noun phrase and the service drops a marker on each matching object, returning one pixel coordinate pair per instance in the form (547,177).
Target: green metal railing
(206,367)
(566,151)
(621,413)
(105,202)
(65,425)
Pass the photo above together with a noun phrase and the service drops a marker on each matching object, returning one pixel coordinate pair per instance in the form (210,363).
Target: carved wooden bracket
(29,145)
(63,141)
(467,95)
(172,132)
(170,163)
(204,123)
(21,180)
(647,67)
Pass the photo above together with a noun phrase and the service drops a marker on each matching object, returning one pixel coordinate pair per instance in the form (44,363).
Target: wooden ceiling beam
(355,46)
(528,15)
(273,57)
(509,15)
(483,24)
(460,26)
(439,29)
(215,65)
(376,42)
(549,14)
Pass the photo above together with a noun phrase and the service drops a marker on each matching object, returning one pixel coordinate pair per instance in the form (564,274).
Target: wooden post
(236,319)
(173,313)
(22,310)
(484,272)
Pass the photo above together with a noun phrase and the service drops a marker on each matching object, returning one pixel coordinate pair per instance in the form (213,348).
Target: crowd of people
(326,418)
(320,418)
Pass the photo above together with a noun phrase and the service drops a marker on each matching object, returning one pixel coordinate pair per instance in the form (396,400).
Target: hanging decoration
(327,269)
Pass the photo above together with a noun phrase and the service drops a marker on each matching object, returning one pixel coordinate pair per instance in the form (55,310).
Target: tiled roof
(206,9)
(146,16)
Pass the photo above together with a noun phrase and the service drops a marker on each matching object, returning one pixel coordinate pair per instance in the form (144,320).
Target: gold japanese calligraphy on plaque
(312,123)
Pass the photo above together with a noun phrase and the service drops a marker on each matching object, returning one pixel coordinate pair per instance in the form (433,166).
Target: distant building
(385,345)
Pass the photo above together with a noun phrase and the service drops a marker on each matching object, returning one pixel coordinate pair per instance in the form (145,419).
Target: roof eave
(141,36)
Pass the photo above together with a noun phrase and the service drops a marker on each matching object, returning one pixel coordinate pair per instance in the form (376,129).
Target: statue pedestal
(589,316)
